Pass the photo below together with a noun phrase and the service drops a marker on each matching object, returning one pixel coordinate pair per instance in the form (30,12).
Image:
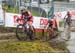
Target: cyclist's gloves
(17,20)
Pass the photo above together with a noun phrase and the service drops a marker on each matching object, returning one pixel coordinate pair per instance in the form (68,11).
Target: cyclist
(50,28)
(50,23)
(27,16)
(68,19)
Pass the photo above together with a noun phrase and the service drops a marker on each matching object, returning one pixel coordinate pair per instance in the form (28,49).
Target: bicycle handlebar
(19,19)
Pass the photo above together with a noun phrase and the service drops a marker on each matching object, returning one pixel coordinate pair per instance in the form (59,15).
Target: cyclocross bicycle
(23,31)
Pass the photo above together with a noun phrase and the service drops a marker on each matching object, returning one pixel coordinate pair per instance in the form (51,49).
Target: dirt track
(6,34)
(6,37)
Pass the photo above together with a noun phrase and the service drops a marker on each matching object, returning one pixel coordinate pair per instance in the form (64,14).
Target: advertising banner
(11,21)
(38,22)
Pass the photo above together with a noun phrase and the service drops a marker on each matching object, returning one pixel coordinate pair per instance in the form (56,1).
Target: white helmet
(22,8)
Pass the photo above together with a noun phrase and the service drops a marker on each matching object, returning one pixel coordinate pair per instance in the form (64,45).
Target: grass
(28,47)
(35,13)
(13,10)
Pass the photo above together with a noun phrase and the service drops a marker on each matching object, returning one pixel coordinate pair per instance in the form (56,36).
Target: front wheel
(51,34)
(21,34)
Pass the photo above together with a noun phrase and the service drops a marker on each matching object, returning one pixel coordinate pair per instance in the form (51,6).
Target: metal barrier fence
(59,6)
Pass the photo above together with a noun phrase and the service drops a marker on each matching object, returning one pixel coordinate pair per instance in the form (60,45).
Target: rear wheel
(21,33)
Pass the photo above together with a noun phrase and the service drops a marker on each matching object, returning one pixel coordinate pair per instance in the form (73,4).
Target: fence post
(3,8)
(43,32)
